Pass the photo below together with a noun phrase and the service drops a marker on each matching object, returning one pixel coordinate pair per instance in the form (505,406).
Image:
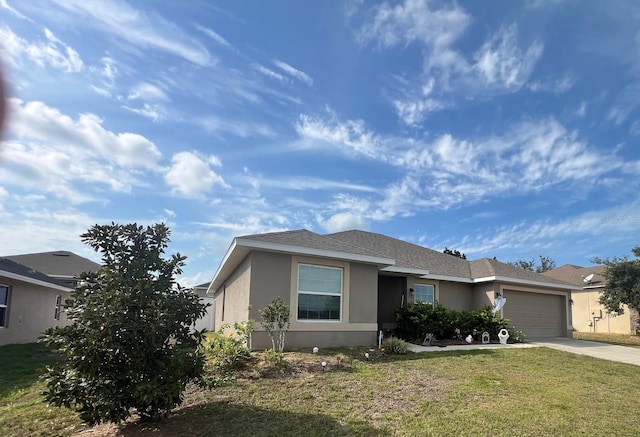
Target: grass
(502,392)
(619,339)
(22,409)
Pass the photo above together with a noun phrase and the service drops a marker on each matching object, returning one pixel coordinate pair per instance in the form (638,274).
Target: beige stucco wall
(484,294)
(364,294)
(270,277)
(586,305)
(456,295)
(231,300)
(30,311)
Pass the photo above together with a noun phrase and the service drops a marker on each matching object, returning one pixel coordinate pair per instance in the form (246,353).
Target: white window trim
(319,293)
(433,286)
(6,306)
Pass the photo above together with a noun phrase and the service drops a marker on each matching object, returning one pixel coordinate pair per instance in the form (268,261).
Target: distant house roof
(576,275)
(389,254)
(59,263)
(13,270)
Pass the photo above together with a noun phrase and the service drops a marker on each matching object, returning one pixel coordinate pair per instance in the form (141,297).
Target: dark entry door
(391,295)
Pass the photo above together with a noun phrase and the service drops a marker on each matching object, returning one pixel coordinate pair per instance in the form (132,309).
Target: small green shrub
(515,335)
(227,351)
(416,320)
(395,345)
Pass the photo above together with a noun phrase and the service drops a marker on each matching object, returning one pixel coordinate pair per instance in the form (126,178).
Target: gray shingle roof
(486,267)
(59,263)
(407,255)
(575,274)
(15,268)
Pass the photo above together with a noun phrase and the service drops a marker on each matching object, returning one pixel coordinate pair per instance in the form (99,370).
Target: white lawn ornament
(315,350)
(485,338)
(469,339)
(503,335)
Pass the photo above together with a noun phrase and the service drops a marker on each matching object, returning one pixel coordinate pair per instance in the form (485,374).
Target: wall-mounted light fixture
(411,290)
(498,295)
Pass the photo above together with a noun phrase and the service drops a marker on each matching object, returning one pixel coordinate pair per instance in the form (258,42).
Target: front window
(319,292)
(424,293)
(4,305)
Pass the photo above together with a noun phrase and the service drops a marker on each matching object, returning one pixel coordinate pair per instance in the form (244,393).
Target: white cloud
(191,175)
(626,103)
(499,66)
(269,73)
(241,129)
(350,136)
(213,35)
(344,221)
(294,72)
(147,91)
(49,52)
(502,63)
(556,86)
(152,112)
(52,152)
(5,5)
(138,27)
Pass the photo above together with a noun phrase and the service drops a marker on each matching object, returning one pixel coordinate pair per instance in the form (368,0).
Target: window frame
(56,311)
(433,293)
(5,306)
(320,293)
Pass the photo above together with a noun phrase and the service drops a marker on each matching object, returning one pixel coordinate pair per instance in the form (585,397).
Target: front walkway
(622,354)
(611,352)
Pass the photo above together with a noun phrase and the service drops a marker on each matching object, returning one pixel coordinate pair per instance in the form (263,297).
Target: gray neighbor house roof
(14,270)
(577,275)
(57,264)
(390,254)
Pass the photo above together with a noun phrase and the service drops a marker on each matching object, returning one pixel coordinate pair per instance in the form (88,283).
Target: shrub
(228,349)
(129,344)
(416,320)
(515,335)
(395,345)
(275,320)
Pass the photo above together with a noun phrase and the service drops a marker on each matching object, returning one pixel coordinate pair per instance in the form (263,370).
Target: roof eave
(525,282)
(244,244)
(33,281)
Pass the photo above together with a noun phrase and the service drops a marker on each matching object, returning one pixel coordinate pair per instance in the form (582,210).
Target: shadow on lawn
(227,419)
(26,362)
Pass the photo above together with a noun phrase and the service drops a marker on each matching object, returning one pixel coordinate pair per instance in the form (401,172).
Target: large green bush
(416,320)
(130,345)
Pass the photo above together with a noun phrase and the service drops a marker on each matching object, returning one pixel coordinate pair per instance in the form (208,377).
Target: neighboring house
(207,322)
(61,264)
(30,303)
(344,287)
(587,312)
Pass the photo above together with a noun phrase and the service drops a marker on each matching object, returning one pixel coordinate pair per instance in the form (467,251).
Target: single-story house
(62,265)
(587,313)
(344,287)
(33,291)
(30,303)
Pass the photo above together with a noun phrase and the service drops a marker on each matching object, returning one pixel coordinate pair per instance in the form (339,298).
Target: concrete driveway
(622,354)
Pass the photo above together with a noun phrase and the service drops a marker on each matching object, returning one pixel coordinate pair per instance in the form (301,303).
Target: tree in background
(623,282)
(546,263)
(454,253)
(130,344)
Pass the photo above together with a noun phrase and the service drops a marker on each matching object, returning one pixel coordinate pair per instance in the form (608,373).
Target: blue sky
(505,129)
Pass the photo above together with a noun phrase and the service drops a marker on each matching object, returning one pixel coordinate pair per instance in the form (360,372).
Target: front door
(392,294)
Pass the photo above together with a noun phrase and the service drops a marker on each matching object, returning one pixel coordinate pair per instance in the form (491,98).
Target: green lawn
(505,392)
(619,339)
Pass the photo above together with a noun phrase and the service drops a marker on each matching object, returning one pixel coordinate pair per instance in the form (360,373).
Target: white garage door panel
(537,315)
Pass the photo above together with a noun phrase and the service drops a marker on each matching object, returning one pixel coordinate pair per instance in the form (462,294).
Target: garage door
(537,315)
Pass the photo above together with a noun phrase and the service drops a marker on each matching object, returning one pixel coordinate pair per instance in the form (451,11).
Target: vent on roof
(60,254)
